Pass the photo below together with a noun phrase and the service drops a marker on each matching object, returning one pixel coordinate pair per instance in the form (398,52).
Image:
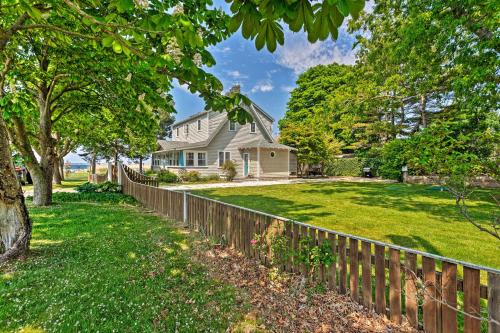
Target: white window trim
(177,131)
(218,158)
(254,127)
(186,129)
(232,130)
(195,152)
(199,125)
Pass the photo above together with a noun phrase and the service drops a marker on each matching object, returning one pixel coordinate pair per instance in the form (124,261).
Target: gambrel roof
(253,109)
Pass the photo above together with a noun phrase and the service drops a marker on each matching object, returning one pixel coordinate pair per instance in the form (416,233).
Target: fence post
(120,173)
(110,172)
(185,208)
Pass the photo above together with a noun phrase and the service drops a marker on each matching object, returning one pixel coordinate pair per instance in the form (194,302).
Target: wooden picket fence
(435,293)
(140,178)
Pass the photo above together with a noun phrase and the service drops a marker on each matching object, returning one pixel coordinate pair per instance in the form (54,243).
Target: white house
(203,141)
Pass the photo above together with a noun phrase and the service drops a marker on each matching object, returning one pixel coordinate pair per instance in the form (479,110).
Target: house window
(232,126)
(202,159)
(273,154)
(186,128)
(172,158)
(252,127)
(190,159)
(199,124)
(224,156)
(177,131)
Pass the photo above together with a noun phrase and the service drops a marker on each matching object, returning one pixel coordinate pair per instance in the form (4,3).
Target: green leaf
(260,41)
(247,27)
(117,47)
(343,8)
(355,7)
(235,22)
(271,40)
(124,5)
(107,41)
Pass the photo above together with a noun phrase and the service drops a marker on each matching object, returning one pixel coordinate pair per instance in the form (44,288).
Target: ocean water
(78,166)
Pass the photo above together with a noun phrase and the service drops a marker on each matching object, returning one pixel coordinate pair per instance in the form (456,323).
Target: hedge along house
(204,141)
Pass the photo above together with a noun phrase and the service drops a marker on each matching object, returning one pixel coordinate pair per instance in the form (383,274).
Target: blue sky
(267,78)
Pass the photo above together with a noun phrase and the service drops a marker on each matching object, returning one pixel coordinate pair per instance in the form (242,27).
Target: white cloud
(263,86)
(224,49)
(287,88)
(299,54)
(236,74)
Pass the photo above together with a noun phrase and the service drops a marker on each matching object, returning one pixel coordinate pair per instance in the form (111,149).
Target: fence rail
(140,178)
(389,279)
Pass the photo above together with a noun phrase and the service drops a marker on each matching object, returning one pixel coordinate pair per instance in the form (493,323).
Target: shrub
(86,188)
(109,187)
(229,169)
(102,197)
(344,167)
(167,176)
(393,156)
(190,176)
(210,178)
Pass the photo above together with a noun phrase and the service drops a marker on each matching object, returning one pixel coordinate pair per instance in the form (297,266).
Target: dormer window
(199,124)
(253,127)
(232,126)
(186,129)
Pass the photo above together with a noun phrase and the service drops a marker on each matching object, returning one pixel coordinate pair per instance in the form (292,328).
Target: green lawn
(110,268)
(415,216)
(72,180)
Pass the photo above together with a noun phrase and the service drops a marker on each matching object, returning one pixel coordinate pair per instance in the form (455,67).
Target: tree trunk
(42,184)
(15,225)
(61,168)
(58,176)
(93,164)
(140,164)
(423,114)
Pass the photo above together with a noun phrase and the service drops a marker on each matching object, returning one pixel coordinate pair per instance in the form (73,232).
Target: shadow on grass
(304,212)
(408,198)
(414,242)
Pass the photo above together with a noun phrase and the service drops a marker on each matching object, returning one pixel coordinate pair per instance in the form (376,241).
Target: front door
(245,164)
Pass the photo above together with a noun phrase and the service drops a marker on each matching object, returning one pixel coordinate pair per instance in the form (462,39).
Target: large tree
(168,38)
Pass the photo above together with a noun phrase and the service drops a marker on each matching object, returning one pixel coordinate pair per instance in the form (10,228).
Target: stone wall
(481,181)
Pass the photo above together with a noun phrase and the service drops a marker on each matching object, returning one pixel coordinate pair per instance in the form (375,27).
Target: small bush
(109,187)
(86,188)
(167,176)
(229,169)
(210,178)
(393,156)
(344,167)
(190,176)
(102,197)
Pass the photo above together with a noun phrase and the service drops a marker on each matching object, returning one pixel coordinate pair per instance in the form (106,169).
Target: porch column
(258,162)
(288,161)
